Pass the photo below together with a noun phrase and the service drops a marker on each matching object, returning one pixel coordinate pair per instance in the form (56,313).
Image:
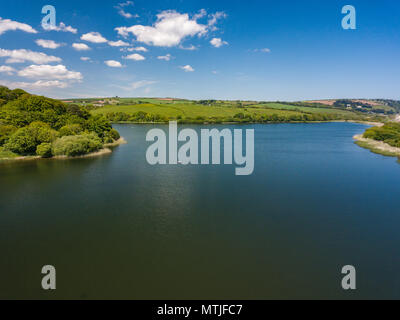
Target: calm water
(116,227)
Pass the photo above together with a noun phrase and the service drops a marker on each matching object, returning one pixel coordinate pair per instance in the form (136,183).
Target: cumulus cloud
(167,57)
(61,27)
(113,64)
(10,25)
(85,59)
(187,68)
(48,44)
(22,55)
(265,50)
(217,42)
(6,69)
(118,43)
(40,84)
(135,56)
(59,72)
(94,37)
(169,30)
(127,15)
(80,46)
(142,49)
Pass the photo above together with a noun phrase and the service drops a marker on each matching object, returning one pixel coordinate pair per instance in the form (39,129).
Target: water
(116,227)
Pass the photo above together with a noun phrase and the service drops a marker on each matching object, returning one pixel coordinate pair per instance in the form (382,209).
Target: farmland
(148,110)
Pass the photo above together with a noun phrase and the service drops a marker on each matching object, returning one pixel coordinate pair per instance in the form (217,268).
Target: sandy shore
(116,143)
(377,146)
(370,123)
(101,152)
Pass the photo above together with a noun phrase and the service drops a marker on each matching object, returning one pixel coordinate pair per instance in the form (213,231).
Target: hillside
(219,111)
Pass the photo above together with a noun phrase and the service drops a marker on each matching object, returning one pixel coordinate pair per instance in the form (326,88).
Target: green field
(190,110)
(153,110)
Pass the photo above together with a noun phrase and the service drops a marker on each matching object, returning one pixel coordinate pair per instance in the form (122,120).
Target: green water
(116,227)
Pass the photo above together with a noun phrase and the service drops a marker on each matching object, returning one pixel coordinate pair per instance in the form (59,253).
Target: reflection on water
(116,227)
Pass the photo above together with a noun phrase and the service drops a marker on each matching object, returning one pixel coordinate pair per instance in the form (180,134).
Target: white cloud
(113,64)
(118,43)
(266,50)
(7,69)
(142,49)
(58,72)
(48,84)
(127,14)
(214,19)
(125,4)
(123,13)
(10,25)
(40,84)
(202,13)
(217,42)
(187,68)
(80,46)
(85,59)
(142,83)
(190,48)
(48,44)
(61,27)
(22,55)
(94,37)
(167,57)
(169,30)
(135,56)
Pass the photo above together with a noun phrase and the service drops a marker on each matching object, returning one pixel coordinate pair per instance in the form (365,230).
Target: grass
(321,110)
(187,109)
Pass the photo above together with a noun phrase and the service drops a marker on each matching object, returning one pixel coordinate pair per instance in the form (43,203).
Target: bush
(76,145)
(44,150)
(25,140)
(5,132)
(99,125)
(70,130)
(111,136)
(22,142)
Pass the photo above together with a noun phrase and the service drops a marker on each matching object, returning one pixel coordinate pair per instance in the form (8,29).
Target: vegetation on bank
(193,112)
(384,140)
(38,126)
(388,133)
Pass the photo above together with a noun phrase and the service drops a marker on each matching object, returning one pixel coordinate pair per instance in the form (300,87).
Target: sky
(237,50)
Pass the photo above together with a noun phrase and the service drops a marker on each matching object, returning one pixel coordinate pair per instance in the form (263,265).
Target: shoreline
(105,150)
(378,147)
(371,123)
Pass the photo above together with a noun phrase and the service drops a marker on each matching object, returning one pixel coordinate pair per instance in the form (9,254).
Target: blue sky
(261,50)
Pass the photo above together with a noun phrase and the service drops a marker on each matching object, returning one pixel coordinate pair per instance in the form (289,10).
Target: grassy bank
(383,139)
(378,147)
